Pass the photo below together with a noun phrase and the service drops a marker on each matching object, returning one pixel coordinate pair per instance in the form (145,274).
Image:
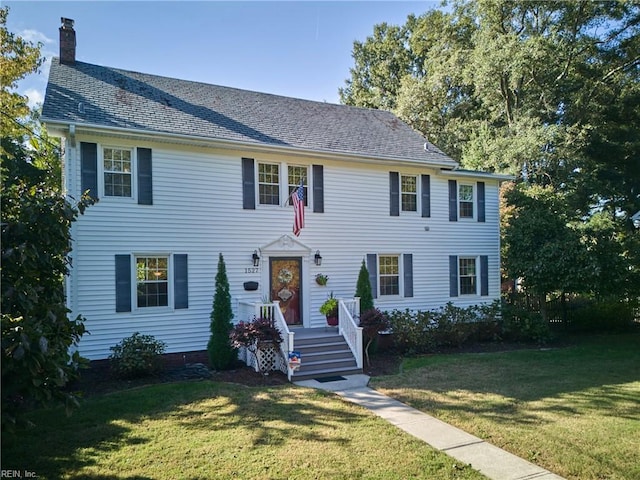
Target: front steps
(324,353)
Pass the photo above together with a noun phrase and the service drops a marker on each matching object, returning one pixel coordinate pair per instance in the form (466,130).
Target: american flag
(297,198)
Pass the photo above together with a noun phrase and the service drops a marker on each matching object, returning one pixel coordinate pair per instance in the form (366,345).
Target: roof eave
(62,127)
(459,173)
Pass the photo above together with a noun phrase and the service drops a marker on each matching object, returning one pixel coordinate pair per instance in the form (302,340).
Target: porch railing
(348,316)
(271,311)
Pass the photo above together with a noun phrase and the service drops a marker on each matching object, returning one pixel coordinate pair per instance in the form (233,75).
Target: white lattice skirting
(270,359)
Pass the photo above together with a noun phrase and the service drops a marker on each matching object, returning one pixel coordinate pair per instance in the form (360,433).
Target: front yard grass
(573,410)
(211,430)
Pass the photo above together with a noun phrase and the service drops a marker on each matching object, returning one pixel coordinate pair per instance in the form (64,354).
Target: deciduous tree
(37,334)
(546,91)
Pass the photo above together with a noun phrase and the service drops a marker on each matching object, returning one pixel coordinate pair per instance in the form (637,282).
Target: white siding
(197,210)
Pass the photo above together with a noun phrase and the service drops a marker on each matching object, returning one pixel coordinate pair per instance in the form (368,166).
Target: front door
(286,287)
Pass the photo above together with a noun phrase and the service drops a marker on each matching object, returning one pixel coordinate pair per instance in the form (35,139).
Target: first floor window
(465,201)
(389,275)
(117,172)
(152,281)
(468,276)
(409,191)
(269,184)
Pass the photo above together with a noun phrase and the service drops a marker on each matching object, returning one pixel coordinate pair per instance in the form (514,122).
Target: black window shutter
(318,188)
(394,194)
(407,260)
(481,217)
(248,184)
(453,201)
(123,283)
(89,168)
(372,267)
(426,195)
(180,281)
(145,180)
(453,276)
(484,275)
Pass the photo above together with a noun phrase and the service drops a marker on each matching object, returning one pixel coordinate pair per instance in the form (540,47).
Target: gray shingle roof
(109,97)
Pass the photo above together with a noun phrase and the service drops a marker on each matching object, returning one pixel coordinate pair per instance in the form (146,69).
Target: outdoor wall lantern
(256,258)
(317,258)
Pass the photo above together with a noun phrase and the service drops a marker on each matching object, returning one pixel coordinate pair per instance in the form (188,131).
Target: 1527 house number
(252,270)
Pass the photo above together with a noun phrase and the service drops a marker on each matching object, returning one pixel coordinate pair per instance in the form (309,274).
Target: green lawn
(202,430)
(573,410)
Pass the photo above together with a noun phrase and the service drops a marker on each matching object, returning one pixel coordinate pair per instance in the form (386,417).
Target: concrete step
(324,373)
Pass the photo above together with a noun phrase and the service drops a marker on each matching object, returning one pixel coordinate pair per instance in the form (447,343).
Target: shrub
(363,289)
(222,356)
(602,317)
(523,325)
(137,356)
(372,322)
(256,335)
(448,326)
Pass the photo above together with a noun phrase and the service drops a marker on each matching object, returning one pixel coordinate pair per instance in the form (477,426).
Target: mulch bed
(98,380)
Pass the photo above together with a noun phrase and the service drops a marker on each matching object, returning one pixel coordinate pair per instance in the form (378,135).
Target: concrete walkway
(488,459)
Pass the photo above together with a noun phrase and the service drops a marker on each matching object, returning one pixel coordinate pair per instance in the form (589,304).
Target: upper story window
(117,168)
(465,200)
(274,188)
(296,175)
(467,275)
(389,274)
(152,281)
(268,184)
(409,193)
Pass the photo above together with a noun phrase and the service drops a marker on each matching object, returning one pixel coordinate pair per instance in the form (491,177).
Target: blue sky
(297,48)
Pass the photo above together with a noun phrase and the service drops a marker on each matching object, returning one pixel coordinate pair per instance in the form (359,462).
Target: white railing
(271,311)
(348,317)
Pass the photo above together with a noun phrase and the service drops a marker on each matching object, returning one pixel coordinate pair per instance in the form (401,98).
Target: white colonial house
(184,171)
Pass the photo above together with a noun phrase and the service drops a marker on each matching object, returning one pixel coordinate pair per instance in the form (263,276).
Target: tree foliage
(19,59)
(36,332)
(222,355)
(36,218)
(546,91)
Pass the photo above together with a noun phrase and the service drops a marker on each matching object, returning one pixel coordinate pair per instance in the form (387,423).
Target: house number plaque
(252,270)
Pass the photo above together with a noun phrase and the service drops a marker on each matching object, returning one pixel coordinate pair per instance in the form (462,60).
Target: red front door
(286,287)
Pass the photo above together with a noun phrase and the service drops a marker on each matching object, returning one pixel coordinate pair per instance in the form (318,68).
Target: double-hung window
(468,275)
(117,167)
(465,200)
(297,175)
(269,183)
(144,281)
(152,281)
(272,189)
(409,193)
(389,274)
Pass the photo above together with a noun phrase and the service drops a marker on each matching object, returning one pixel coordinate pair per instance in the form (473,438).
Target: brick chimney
(67,42)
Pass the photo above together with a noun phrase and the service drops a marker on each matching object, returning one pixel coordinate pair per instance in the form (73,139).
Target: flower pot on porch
(330,310)
(332,320)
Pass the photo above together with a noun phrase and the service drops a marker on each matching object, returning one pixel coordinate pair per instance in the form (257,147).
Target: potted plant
(330,310)
(322,279)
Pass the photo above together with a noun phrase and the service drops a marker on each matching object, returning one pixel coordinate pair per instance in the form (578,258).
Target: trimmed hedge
(425,331)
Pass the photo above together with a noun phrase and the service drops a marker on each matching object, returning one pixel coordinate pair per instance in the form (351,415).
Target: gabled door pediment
(285,245)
